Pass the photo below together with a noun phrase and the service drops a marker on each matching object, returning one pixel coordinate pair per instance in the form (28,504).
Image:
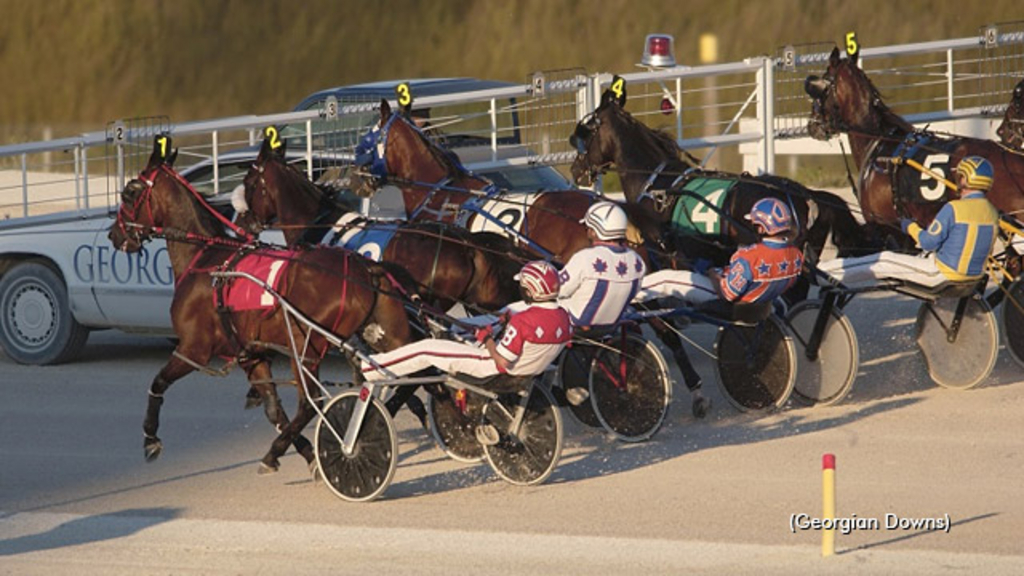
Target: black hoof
(152,449)
(253,399)
(701,407)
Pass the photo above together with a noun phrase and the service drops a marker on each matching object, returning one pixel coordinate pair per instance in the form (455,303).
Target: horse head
(845,100)
(142,212)
(256,200)
(1011,131)
(596,148)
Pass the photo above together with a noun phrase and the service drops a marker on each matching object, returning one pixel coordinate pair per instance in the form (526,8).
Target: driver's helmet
(772,216)
(539,280)
(977,171)
(607,220)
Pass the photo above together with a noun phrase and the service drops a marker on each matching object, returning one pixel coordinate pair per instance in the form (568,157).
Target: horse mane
(659,140)
(444,157)
(878,103)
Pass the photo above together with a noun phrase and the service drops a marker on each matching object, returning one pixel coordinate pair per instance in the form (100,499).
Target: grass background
(72,65)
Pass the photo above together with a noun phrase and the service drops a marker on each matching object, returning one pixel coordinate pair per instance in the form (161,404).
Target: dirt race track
(713,496)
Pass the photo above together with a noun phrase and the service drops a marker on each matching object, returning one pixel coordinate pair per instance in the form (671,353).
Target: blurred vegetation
(72,65)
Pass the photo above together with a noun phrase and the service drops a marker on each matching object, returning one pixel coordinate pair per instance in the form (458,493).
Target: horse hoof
(266,469)
(153,450)
(251,402)
(314,472)
(701,407)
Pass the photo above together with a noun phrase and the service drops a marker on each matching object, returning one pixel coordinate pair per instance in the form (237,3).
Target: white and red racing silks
(534,337)
(598,282)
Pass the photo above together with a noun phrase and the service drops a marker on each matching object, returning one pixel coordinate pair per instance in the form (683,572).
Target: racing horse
(435,186)
(1011,130)
(899,165)
(450,264)
(232,319)
(706,209)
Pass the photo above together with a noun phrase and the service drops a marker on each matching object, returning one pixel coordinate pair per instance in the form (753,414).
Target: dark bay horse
(885,149)
(337,289)
(451,264)
(1011,130)
(698,212)
(435,186)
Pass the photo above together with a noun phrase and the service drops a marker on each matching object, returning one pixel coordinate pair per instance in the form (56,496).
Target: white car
(60,277)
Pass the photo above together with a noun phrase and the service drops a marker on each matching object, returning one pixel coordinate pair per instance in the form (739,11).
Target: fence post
(766,115)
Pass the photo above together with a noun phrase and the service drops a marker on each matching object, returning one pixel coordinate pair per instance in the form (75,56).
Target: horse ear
(171,157)
(385,110)
(265,149)
(834,57)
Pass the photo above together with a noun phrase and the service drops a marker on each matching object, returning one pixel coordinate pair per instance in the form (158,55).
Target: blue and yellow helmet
(977,172)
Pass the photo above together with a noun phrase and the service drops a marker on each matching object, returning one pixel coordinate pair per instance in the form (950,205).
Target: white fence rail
(757,105)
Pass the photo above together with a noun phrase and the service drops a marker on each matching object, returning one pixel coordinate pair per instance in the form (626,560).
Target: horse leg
(174,370)
(289,433)
(261,381)
(406,395)
(700,405)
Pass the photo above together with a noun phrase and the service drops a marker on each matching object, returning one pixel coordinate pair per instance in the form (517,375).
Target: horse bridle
(582,136)
(143,200)
(1013,122)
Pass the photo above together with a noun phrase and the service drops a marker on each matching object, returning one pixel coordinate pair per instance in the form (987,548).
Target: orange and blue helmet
(771,215)
(977,172)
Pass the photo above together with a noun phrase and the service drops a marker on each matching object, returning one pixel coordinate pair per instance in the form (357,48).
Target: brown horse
(451,264)
(884,147)
(1011,130)
(705,210)
(337,289)
(435,186)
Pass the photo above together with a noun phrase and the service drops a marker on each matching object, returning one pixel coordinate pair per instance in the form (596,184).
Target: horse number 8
(851,43)
(404,96)
(271,133)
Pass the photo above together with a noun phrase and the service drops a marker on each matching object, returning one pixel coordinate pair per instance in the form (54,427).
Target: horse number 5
(932,189)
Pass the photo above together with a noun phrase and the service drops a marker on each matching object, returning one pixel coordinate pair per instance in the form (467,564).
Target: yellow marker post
(828,503)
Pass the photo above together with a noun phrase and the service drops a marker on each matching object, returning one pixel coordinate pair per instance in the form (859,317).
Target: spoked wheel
(528,453)
(453,424)
(1013,321)
(574,372)
(629,388)
(365,473)
(827,379)
(756,364)
(969,359)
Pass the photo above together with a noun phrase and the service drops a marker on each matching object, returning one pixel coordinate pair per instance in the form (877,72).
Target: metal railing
(757,106)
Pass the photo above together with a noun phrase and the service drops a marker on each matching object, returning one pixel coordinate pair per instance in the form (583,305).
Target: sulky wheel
(630,389)
(827,379)
(574,372)
(756,364)
(969,359)
(1013,321)
(365,473)
(454,417)
(528,453)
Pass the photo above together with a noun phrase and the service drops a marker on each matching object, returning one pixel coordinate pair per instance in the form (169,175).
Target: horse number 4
(932,189)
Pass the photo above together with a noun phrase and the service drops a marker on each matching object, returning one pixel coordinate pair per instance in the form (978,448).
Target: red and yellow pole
(828,503)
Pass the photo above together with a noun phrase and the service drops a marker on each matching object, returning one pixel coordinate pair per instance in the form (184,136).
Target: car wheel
(36,325)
